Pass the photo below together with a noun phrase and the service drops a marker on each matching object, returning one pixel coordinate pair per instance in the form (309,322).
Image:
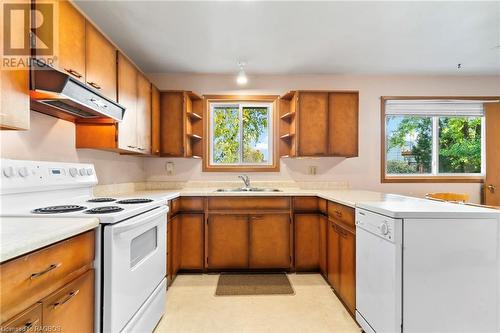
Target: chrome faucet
(246,180)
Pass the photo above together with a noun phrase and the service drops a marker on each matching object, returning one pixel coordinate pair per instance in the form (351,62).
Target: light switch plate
(169,167)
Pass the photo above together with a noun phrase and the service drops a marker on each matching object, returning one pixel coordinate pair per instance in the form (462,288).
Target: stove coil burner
(58,209)
(134,201)
(101,200)
(104,210)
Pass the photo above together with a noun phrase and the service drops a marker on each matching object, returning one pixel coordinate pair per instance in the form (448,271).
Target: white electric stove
(130,263)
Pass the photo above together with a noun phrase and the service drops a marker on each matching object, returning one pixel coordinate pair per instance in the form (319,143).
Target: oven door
(134,265)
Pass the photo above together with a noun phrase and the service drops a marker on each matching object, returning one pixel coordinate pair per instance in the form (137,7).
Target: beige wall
(51,139)
(362,172)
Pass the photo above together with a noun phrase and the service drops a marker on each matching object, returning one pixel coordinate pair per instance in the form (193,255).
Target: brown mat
(253,284)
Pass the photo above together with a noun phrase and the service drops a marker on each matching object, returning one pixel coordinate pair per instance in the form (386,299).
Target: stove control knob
(8,172)
(82,172)
(384,228)
(23,172)
(90,172)
(73,172)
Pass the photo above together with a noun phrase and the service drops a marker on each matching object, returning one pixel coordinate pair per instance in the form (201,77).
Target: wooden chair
(448,196)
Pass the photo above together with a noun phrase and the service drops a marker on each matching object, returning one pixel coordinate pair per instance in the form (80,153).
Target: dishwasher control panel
(377,224)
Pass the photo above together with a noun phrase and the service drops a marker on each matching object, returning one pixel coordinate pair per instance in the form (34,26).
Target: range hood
(60,95)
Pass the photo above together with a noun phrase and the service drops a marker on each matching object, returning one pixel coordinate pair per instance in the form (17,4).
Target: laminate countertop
(21,235)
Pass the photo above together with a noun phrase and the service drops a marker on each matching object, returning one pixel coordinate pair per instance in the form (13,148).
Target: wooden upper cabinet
(127,96)
(181,124)
(343,124)
(71,57)
(319,123)
(227,241)
(313,124)
(269,241)
(100,62)
(155,120)
(14,99)
(143,114)
(172,128)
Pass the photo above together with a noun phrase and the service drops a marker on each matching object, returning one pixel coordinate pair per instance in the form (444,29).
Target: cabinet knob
(492,188)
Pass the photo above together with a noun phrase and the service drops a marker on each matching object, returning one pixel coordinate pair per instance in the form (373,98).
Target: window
(433,140)
(241,135)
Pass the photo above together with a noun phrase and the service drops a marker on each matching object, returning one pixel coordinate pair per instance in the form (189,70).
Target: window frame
(242,100)
(431,178)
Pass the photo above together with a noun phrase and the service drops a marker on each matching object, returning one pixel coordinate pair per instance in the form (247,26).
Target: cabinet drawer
(71,308)
(341,213)
(248,203)
(26,280)
(29,320)
(305,204)
(191,204)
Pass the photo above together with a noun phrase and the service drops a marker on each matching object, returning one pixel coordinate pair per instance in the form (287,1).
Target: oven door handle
(144,219)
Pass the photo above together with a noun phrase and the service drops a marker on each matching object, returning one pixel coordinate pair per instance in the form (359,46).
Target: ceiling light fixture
(242,78)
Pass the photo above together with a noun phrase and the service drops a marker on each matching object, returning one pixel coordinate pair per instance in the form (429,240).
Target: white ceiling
(304,37)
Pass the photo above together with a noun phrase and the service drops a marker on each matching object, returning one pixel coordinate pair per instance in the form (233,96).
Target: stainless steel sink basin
(250,189)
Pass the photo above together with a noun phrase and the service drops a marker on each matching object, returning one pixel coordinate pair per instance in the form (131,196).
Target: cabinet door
(176,245)
(343,124)
(127,96)
(323,250)
(155,120)
(333,256)
(227,241)
(169,252)
(71,308)
(270,241)
(29,320)
(313,124)
(306,242)
(172,124)
(100,62)
(14,99)
(143,114)
(347,268)
(71,57)
(192,241)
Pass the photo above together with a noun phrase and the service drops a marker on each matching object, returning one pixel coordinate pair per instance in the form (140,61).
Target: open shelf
(287,116)
(194,116)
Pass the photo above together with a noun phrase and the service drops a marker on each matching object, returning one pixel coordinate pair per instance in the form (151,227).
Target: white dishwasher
(427,272)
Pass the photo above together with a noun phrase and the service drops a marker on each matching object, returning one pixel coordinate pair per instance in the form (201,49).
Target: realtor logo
(27,31)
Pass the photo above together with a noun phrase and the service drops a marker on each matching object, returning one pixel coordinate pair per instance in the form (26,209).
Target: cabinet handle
(70,296)
(338,213)
(73,72)
(45,271)
(492,188)
(95,85)
(256,217)
(28,325)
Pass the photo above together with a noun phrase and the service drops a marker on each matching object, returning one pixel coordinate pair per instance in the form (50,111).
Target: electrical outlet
(169,166)
(312,170)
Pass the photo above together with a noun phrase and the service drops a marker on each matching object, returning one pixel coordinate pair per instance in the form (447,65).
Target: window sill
(432,179)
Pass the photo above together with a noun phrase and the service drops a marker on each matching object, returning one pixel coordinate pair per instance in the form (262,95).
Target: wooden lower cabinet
(175,241)
(71,308)
(306,242)
(192,240)
(323,245)
(29,320)
(269,241)
(227,241)
(342,263)
(333,254)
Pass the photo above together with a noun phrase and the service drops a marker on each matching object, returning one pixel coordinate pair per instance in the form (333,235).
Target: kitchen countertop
(21,235)
(392,205)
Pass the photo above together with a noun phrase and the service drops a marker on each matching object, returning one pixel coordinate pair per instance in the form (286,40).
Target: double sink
(248,189)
